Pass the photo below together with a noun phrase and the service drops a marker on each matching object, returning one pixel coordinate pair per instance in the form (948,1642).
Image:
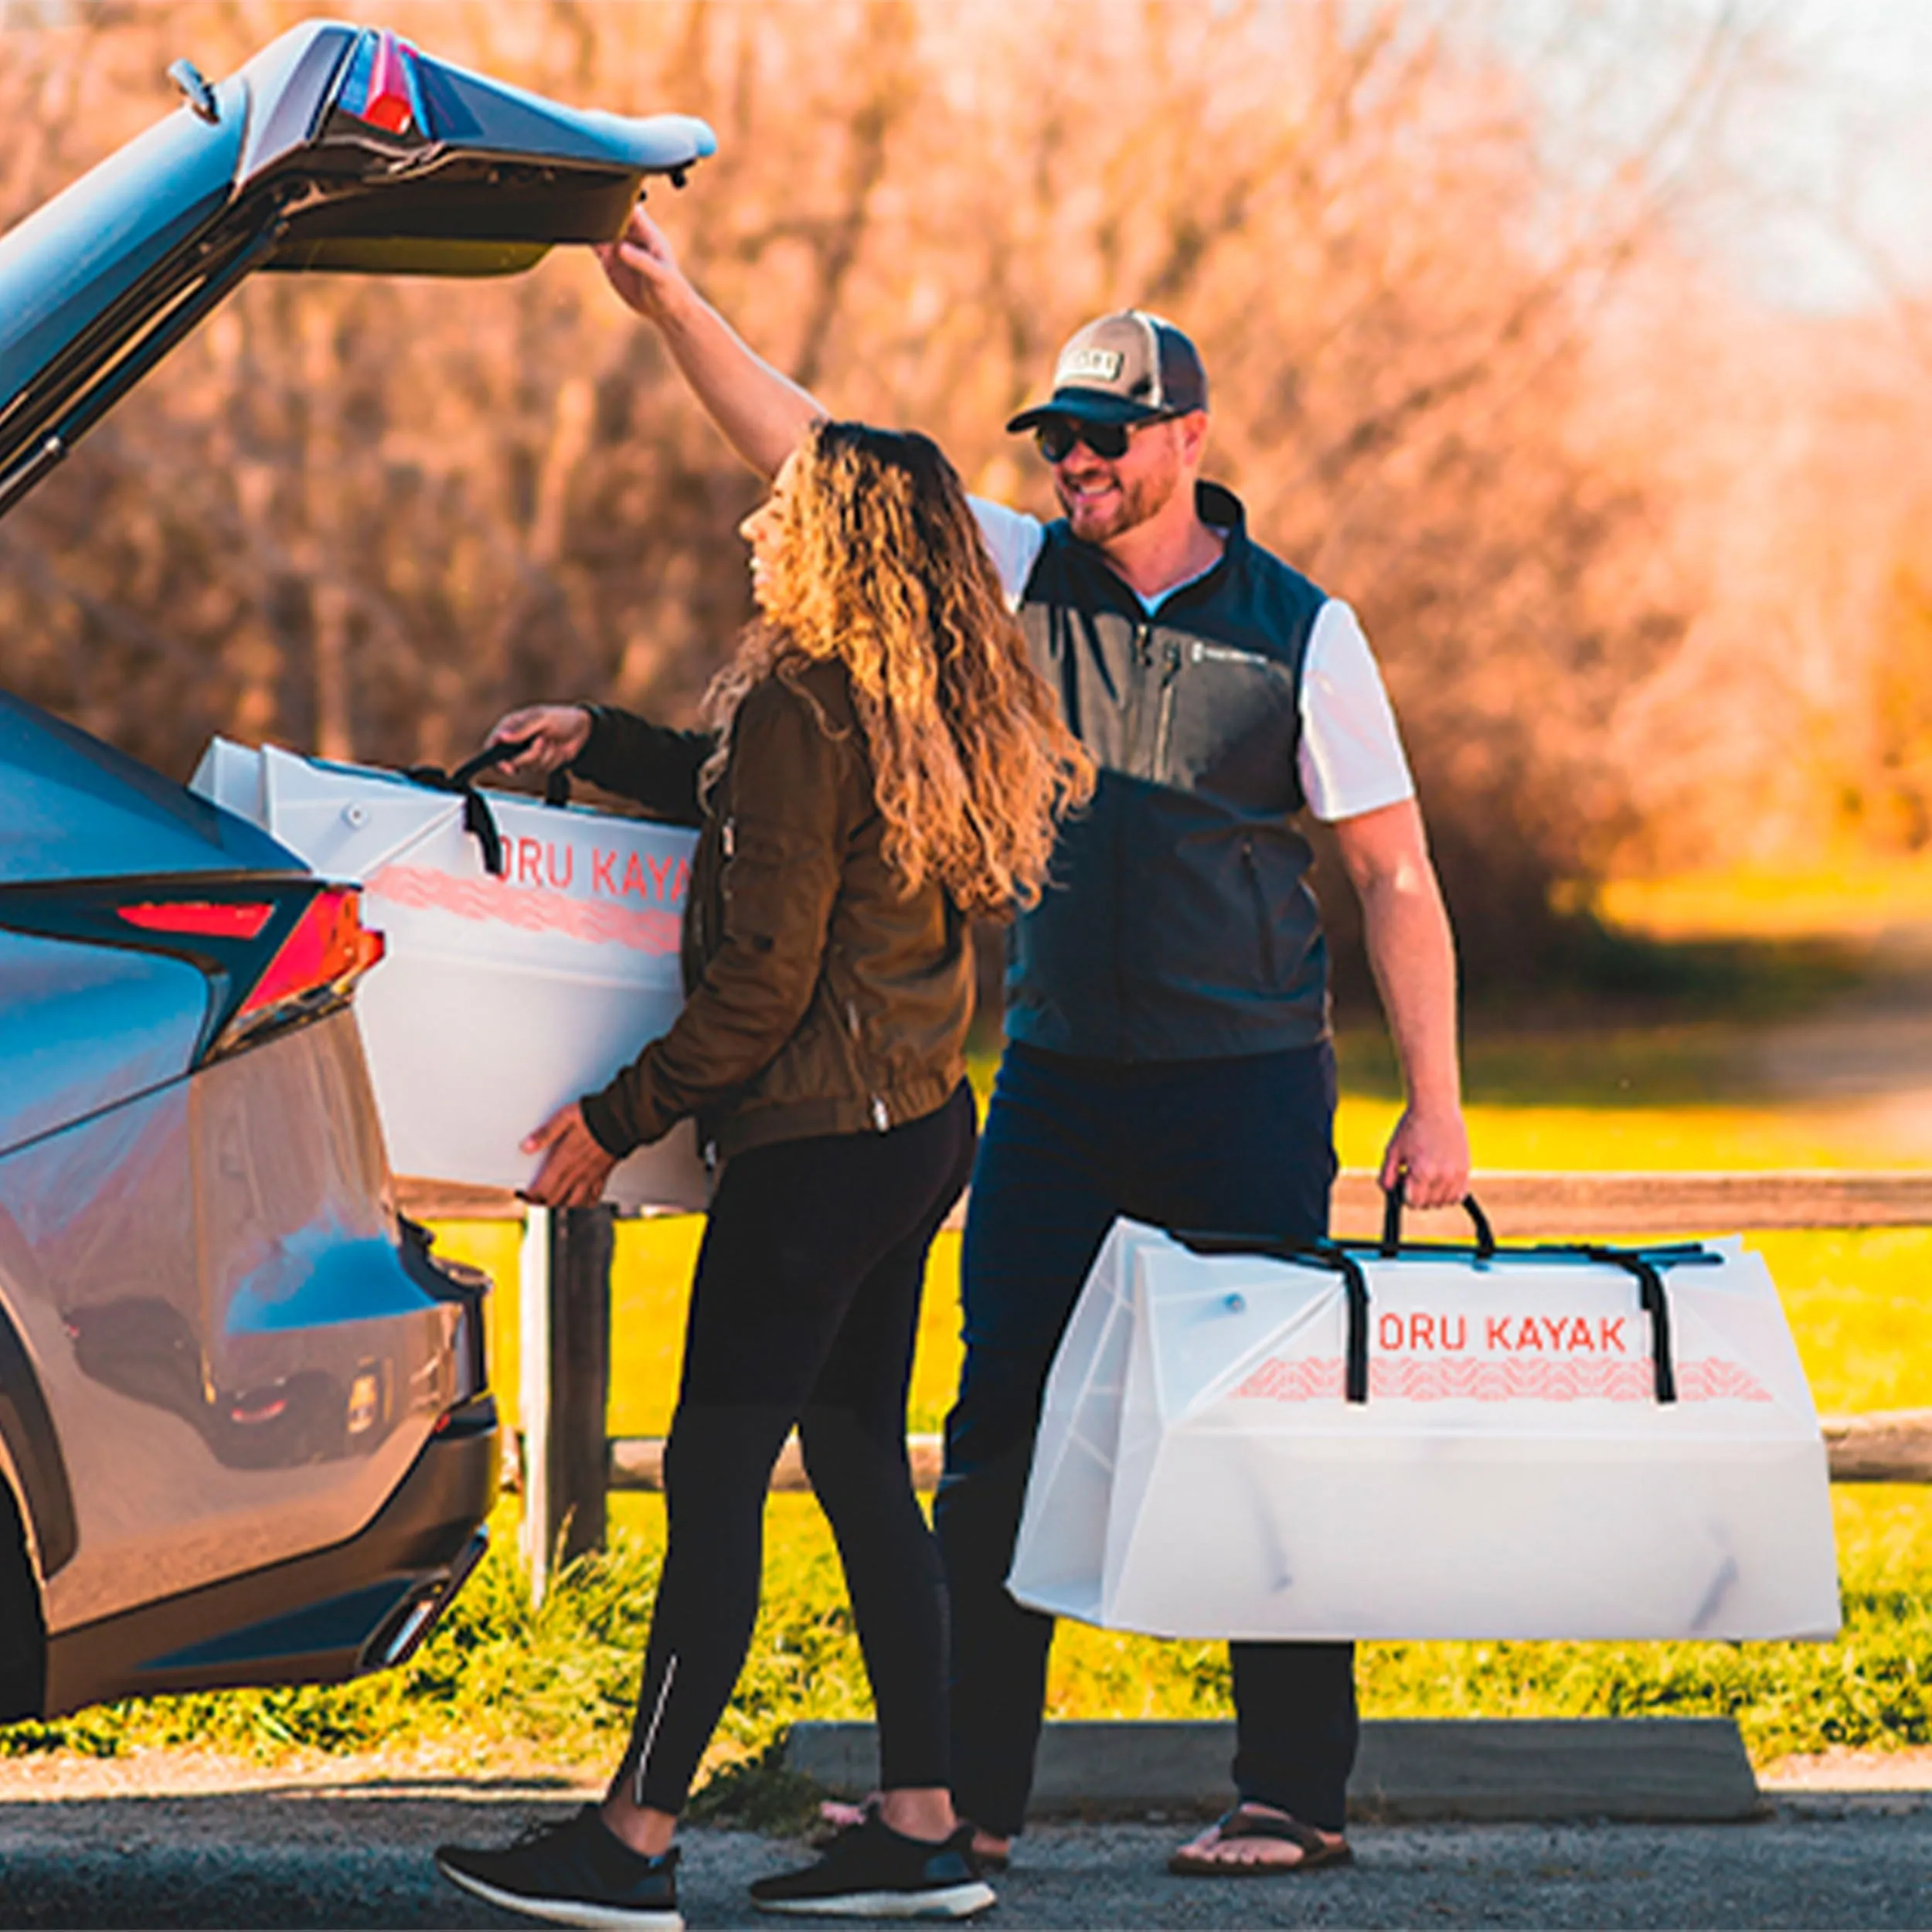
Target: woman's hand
(557,732)
(641,267)
(575,1168)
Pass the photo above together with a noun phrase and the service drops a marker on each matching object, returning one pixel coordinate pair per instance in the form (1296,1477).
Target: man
(1168,1056)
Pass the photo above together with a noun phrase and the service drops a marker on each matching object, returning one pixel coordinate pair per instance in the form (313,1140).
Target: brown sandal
(1317,1851)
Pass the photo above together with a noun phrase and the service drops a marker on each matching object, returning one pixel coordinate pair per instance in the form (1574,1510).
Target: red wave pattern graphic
(1306,1378)
(530,908)
(1717,1380)
(1495,1379)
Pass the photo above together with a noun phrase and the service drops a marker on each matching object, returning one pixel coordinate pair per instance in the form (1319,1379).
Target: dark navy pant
(1244,1145)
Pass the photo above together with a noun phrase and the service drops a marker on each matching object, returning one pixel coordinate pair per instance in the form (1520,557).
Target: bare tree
(363,517)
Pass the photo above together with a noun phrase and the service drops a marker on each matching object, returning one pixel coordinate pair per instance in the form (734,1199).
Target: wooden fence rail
(1891,1446)
(1527,1207)
(566,1464)
(1523,1206)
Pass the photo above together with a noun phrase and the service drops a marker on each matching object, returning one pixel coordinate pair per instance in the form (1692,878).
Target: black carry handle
(1392,1224)
(477,817)
(466,774)
(1315,1254)
(1649,1279)
(556,786)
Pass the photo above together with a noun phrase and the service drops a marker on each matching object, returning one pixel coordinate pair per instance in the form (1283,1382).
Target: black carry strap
(1391,1243)
(1643,1263)
(1318,1254)
(1647,1265)
(1656,1305)
(478,817)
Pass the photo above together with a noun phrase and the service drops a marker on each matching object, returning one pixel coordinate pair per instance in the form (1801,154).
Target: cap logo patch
(1088,366)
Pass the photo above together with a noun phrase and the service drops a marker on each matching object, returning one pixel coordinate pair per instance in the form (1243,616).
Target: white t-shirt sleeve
(1351,759)
(1015,540)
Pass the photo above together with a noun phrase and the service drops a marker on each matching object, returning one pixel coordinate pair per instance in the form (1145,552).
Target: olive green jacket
(822,997)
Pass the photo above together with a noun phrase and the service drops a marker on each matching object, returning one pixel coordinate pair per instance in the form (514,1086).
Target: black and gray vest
(1177,923)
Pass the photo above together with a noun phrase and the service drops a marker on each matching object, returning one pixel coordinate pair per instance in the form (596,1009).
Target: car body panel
(239,1364)
(34,1469)
(76,808)
(317,1618)
(83,1028)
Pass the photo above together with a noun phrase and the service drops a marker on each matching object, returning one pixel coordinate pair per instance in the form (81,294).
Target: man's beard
(1126,508)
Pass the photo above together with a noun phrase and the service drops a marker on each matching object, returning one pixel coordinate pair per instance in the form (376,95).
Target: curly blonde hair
(881,566)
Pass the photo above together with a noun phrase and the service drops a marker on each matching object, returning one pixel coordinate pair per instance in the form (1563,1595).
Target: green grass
(499,1681)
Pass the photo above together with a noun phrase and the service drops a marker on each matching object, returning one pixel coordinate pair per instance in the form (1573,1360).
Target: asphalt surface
(317,1855)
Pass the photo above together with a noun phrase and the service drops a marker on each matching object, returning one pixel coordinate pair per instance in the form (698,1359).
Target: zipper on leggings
(656,1718)
(1261,919)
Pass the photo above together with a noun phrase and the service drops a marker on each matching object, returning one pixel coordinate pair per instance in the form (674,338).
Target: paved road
(321,1855)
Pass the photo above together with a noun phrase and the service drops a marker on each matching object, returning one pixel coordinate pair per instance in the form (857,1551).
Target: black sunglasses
(1058,435)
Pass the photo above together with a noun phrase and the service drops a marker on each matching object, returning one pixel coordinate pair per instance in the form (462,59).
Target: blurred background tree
(1641,558)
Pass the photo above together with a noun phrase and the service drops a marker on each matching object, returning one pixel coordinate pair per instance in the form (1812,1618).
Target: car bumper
(359,1605)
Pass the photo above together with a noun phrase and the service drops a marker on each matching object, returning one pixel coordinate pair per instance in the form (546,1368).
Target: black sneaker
(577,1872)
(869,1871)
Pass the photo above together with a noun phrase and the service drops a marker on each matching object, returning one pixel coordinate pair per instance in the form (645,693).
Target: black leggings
(804,1311)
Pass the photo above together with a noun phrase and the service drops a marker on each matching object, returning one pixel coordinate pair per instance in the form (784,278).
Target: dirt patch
(449,1771)
(1909,1770)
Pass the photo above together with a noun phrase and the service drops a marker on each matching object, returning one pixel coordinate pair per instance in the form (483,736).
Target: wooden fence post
(533,1396)
(564,1332)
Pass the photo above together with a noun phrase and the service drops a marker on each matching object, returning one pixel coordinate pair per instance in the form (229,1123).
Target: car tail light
(381,89)
(276,950)
(329,949)
(205,918)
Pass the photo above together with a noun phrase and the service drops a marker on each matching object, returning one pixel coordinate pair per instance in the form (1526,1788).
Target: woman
(884,764)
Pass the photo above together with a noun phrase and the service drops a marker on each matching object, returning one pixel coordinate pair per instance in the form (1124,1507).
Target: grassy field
(500,1682)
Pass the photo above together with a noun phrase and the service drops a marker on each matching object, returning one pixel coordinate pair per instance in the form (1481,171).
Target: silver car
(246,1432)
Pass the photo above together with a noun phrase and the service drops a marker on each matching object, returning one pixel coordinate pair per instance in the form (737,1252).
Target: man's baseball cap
(1124,368)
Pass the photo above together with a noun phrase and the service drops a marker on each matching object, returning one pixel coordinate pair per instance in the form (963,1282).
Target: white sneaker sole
(946,1902)
(597,1918)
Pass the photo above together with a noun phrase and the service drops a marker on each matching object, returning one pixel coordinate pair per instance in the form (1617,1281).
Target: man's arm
(762,413)
(1410,950)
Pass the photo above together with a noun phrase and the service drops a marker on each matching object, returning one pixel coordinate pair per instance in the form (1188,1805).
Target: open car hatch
(336,148)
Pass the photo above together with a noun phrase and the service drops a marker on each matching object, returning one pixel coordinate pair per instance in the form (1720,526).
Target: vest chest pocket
(1228,725)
